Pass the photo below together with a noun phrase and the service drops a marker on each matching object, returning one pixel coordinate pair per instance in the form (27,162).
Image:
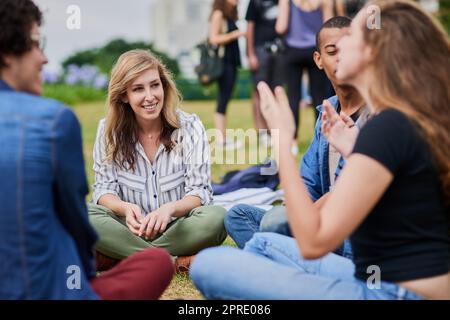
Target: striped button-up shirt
(185,171)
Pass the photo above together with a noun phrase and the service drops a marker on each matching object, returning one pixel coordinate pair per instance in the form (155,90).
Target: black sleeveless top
(232,55)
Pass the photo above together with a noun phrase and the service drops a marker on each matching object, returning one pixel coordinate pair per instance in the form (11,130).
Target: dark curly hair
(16,20)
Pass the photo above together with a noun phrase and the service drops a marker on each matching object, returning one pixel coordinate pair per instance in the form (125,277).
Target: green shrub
(72,95)
(193,90)
(444,14)
(190,90)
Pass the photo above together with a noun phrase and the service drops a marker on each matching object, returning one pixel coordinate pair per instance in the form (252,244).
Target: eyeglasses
(39,41)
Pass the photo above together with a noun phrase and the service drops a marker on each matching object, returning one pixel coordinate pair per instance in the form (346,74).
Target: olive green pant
(201,228)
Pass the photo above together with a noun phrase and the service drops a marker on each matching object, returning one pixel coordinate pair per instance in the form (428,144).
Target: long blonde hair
(121,126)
(411,61)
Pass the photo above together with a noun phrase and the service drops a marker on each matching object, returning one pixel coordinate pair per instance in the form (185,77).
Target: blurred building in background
(177,25)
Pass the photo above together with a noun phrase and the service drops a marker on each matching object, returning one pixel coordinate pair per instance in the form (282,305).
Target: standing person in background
(223,17)
(349,8)
(263,50)
(300,21)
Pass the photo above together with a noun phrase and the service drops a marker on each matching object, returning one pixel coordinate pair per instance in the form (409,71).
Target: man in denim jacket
(46,241)
(42,175)
(320,162)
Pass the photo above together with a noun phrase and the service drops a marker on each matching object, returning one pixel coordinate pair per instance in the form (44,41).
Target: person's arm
(327,10)
(251,17)
(321,201)
(114,203)
(359,187)
(282,24)
(70,187)
(320,231)
(340,8)
(197,157)
(252,58)
(216,37)
(106,187)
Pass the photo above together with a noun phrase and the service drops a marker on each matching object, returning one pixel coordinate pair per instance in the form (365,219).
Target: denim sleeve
(71,187)
(310,167)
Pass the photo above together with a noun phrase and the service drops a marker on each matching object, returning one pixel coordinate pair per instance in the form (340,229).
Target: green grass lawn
(239,116)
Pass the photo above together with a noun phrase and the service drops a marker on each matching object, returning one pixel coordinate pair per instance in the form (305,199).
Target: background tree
(104,57)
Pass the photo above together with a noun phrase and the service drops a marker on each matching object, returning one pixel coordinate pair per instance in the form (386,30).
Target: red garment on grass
(142,276)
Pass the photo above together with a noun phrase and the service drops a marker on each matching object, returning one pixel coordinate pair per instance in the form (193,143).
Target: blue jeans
(243,221)
(271,267)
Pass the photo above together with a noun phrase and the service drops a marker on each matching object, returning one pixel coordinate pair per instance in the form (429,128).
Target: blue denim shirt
(315,170)
(46,241)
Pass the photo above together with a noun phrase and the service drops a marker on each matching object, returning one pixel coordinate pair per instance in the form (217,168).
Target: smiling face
(353,53)
(145,95)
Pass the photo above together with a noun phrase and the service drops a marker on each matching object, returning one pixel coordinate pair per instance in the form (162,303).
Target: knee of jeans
(257,243)
(274,222)
(235,214)
(204,265)
(261,240)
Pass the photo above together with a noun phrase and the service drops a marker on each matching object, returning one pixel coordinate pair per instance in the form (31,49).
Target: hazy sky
(101,21)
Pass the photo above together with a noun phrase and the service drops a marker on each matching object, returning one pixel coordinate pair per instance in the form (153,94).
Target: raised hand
(340,130)
(276,111)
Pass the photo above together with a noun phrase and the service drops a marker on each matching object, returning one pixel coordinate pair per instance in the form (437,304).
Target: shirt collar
(4,86)
(334,102)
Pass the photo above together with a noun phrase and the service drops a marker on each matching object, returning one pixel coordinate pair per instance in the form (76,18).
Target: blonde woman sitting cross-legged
(152,167)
